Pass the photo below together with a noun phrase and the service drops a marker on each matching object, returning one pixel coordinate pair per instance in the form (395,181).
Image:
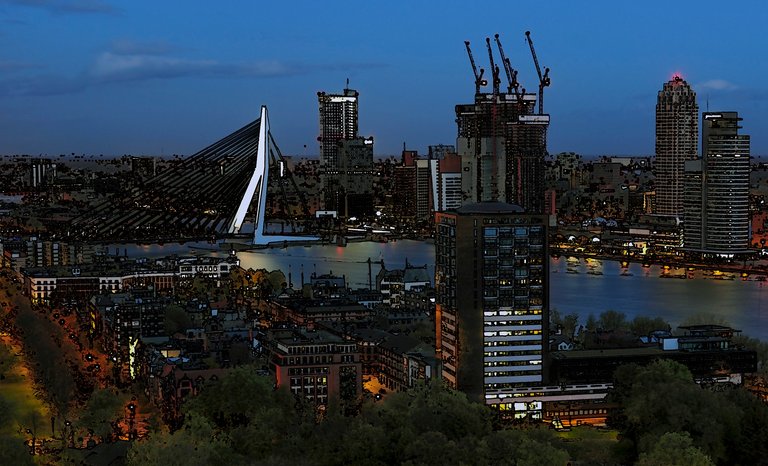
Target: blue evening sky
(163,77)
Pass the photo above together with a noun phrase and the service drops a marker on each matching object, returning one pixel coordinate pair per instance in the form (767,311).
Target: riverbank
(759,269)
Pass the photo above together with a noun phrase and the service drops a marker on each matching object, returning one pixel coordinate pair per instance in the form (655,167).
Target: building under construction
(502,136)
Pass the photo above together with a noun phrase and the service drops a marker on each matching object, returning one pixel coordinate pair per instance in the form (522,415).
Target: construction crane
(494,67)
(479,81)
(511,73)
(543,79)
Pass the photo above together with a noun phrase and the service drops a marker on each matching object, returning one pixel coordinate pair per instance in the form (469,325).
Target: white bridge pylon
(258,184)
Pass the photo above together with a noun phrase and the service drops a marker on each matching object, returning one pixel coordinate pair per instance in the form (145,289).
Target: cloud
(716,85)
(111,67)
(133,47)
(67,6)
(128,61)
(719,91)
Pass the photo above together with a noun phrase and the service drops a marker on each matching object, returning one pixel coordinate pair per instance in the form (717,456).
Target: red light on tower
(677,77)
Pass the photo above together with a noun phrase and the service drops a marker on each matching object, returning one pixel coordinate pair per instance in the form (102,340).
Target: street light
(131,418)
(34,441)
(68,426)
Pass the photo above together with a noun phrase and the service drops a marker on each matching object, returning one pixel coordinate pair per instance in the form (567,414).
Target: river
(576,285)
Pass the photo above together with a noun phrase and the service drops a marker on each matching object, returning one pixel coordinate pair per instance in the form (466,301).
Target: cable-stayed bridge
(207,195)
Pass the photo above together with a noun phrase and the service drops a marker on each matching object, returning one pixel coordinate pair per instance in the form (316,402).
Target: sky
(171,77)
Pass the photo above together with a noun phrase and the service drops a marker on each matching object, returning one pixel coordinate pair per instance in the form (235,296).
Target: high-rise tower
(346,159)
(717,189)
(492,296)
(338,121)
(677,131)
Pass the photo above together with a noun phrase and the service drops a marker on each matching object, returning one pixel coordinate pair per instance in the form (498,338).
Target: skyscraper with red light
(677,129)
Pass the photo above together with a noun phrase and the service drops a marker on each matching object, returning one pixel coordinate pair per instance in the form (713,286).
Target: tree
(611,321)
(760,347)
(429,408)
(674,449)
(570,323)
(41,339)
(8,413)
(748,443)
(176,319)
(103,407)
(7,361)
(567,323)
(522,447)
(256,419)
(277,281)
(591,323)
(661,398)
(196,444)
(241,419)
(14,451)
(643,326)
(239,353)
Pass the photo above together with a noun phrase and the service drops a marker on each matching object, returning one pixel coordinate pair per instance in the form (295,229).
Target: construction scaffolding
(502,139)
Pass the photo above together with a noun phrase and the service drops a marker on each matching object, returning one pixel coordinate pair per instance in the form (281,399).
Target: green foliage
(662,398)
(239,353)
(568,322)
(429,408)
(7,361)
(760,347)
(674,449)
(424,331)
(41,339)
(277,281)
(611,321)
(8,414)
(516,447)
(196,444)
(643,326)
(176,319)
(257,402)
(103,407)
(591,324)
(749,442)
(251,423)
(14,452)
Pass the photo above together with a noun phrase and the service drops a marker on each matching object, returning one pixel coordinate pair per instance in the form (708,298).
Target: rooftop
(490,207)
(302,336)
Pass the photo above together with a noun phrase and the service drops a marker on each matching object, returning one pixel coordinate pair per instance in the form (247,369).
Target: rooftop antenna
(707,101)
(347,84)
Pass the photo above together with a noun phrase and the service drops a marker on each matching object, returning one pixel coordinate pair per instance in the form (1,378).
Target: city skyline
(99,77)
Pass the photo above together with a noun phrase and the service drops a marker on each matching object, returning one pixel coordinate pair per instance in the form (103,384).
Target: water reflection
(577,285)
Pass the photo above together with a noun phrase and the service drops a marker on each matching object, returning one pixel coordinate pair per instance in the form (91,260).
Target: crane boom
(516,85)
(511,73)
(479,81)
(494,69)
(544,80)
(505,62)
